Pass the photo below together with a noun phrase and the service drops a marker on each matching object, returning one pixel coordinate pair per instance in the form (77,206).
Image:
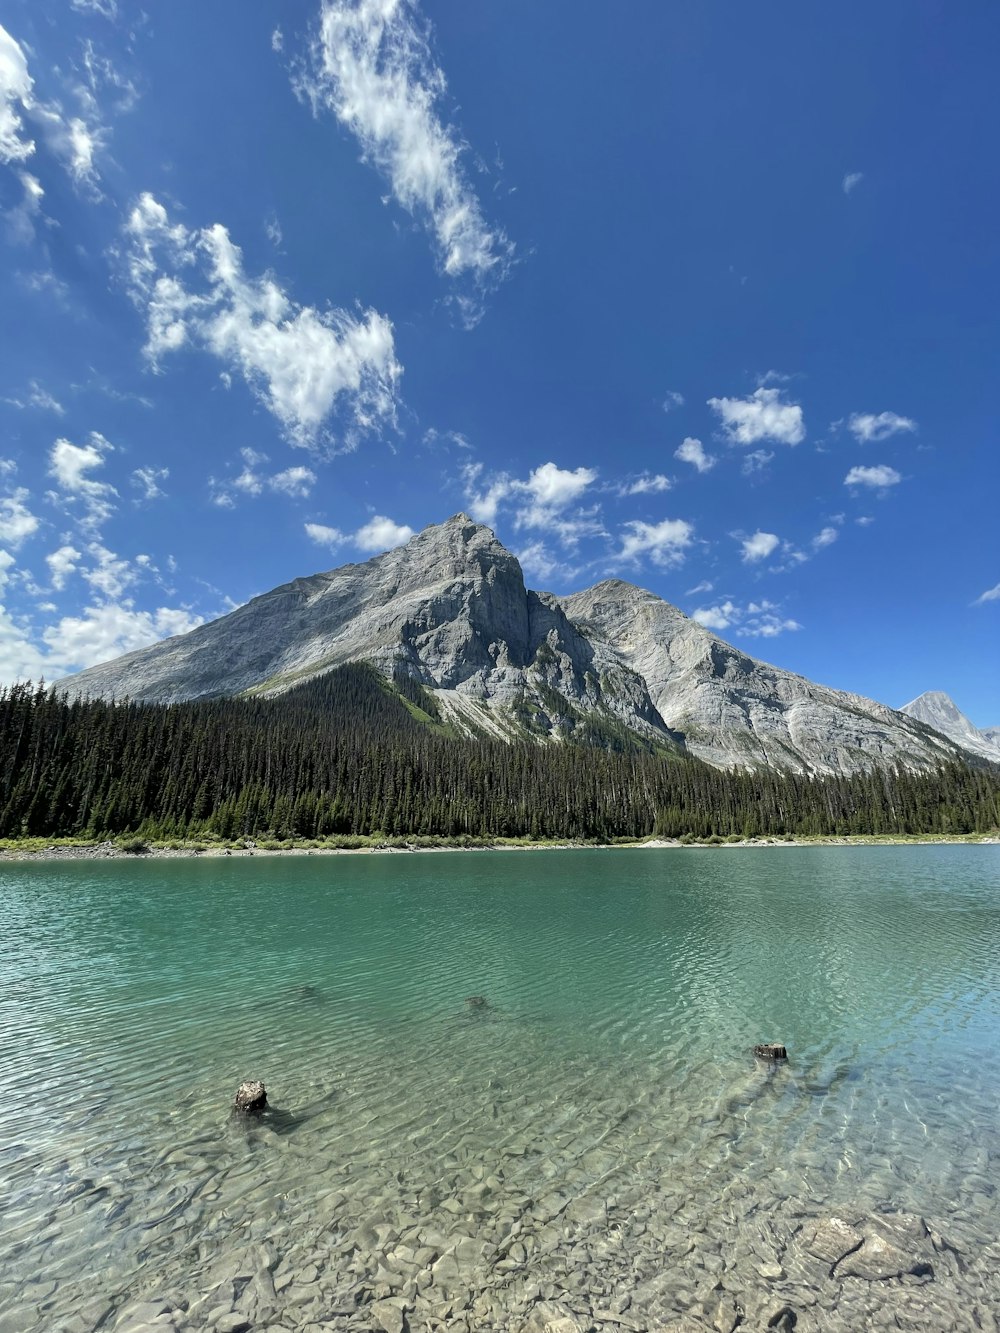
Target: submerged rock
(770,1050)
(251,1098)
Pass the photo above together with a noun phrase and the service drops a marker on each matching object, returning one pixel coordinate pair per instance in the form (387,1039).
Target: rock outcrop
(451,611)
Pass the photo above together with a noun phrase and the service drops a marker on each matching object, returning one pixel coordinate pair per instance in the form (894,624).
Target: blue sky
(695,294)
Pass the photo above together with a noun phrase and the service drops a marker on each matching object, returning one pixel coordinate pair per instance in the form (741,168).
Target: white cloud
(300,362)
(693,451)
(70,465)
(324,536)
(373,69)
(645,484)
(15,96)
(272,230)
(756,620)
(866,426)
(17,523)
(990,595)
(543,499)
(851,181)
(716,617)
(105,632)
(556,487)
(773,377)
(879,477)
(762,416)
(277,40)
(62,563)
(824,538)
(148,479)
(381,534)
(759,546)
(703,586)
(672,400)
(664,543)
(294,481)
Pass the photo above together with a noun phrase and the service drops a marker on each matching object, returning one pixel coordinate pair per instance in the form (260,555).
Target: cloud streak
(372,68)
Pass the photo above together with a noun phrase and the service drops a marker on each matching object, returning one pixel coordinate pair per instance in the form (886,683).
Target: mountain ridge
(450,609)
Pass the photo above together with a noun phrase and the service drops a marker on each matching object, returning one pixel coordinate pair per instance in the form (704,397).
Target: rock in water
(770,1050)
(251,1098)
(477,1002)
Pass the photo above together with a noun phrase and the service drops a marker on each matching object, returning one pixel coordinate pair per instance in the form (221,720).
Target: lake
(594,1146)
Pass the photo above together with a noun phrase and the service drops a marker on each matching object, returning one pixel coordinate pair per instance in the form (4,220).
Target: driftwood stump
(250,1099)
(770,1050)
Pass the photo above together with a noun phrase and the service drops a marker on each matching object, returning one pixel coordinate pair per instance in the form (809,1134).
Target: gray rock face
(450,609)
(938,711)
(736,712)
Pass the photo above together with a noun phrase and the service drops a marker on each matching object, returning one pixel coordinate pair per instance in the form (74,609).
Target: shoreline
(108,850)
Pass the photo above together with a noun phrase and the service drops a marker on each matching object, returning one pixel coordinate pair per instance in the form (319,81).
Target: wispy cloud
(990,595)
(372,67)
(147,480)
(672,400)
(761,416)
(252,480)
(302,363)
(645,484)
(17,522)
(72,466)
(851,181)
(876,478)
(37,398)
(867,426)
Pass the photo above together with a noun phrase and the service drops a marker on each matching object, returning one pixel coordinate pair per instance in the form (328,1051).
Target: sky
(695,294)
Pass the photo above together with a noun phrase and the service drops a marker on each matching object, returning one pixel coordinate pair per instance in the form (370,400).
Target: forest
(350,754)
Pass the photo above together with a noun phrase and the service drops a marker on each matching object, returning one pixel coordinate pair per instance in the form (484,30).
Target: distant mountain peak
(939,710)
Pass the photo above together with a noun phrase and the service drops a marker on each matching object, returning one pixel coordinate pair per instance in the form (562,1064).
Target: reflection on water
(593,1143)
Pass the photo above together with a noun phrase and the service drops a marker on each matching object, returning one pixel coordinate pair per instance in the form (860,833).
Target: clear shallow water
(594,1145)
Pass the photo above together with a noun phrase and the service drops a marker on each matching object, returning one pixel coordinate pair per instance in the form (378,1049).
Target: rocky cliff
(450,610)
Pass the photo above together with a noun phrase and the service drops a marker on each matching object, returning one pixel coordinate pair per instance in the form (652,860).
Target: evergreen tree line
(348,754)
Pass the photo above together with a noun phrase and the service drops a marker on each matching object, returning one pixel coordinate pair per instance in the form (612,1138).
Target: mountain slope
(449,609)
(614,665)
(735,711)
(939,711)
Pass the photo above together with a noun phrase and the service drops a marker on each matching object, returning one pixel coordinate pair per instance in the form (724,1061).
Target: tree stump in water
(250,1099)
(770,1050)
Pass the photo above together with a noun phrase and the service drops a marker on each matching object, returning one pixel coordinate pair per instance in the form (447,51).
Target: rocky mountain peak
(450,610)
(938,710)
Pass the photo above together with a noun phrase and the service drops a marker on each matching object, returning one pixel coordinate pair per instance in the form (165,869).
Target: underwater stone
(251,1098)
(770,1050)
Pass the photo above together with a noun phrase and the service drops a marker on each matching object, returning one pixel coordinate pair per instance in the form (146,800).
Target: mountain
(939,711)
(614,665)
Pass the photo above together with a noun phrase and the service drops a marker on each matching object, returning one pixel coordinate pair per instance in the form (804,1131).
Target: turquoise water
(597,1132)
